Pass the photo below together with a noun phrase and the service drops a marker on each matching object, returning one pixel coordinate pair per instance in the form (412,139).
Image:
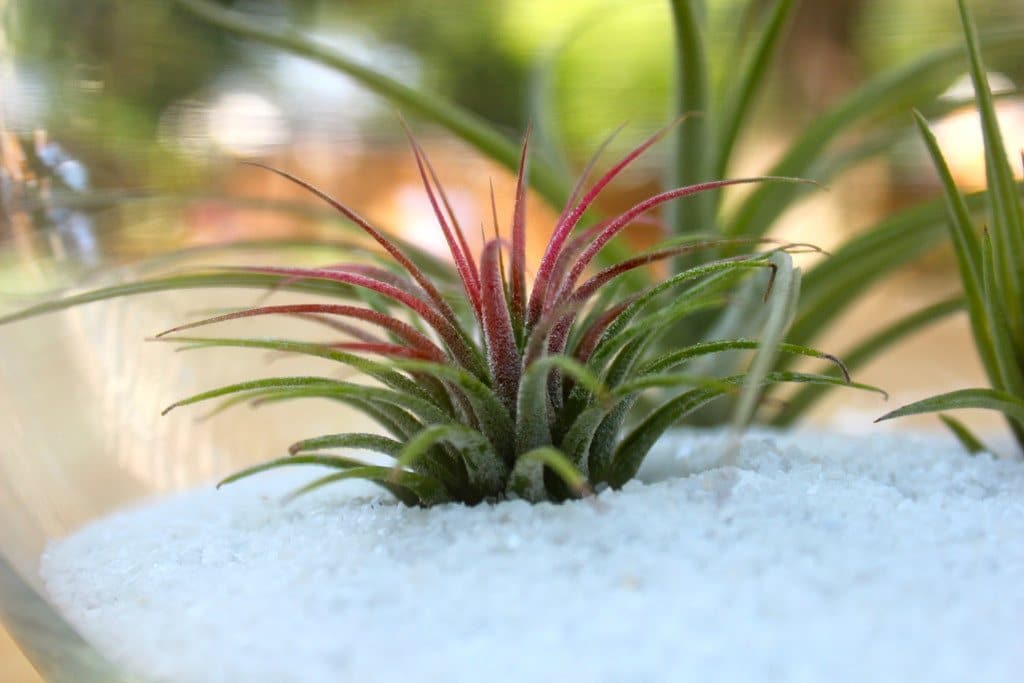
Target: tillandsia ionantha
(504,388)
(705,147)
(991,269)
(486,387)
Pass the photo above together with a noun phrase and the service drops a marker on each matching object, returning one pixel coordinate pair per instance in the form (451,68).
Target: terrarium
(522,391)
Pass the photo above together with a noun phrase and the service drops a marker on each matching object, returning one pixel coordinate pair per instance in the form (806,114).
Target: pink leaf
(417,274)
(615,226)
(457,245)
(404,331)
(452,336)
(518,265)
(568,221)
(502,353)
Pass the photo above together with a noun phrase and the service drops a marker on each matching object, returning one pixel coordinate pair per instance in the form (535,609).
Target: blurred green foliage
(112,67)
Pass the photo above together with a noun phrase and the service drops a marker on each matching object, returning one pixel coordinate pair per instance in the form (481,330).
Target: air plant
(542,391)
(705,148)
(518,390)
(991,270)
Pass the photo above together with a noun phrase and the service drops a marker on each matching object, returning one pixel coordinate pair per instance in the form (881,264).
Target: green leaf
(673,359)
(830,287)
(180,282)
(782,305)
(670,380)
(379,371)
(660,322)
(808,395)
(1008,371)
(1007,211)
(527,480)
(258,387)
(532,430)
(690,163)
(394,420)
(967,247)
(461,122)
(594,437)
(410,488)
(494,419)
(986,399)
(650,296)
(634,447)
(352,469)
(336,462)
(370,442)
(897,90)
(445,467)
(487,472)
(748,82)
(967,439)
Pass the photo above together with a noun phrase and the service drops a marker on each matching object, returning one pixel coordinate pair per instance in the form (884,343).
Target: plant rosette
(486,387)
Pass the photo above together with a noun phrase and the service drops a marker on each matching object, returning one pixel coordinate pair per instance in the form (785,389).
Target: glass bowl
(81,396)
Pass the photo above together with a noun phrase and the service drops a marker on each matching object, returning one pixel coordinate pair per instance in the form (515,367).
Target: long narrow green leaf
(445,465)
(986,399)
(670,380)
(332,461)
(355,470)
(895,91)
(635,446)
(527,477)
(487,471)
(704,293)
(180,282)
(532,430)
(831,286)
(410,488)
(750,80)
(363,441)
(967,247)
(253,387)
(463,123)
(580,441)
(810,394)
(1007,364)
(881,139)
(394,420)
(782,305)
(379,371)
(674,359)
(965,436)
(1006,209)
(690,163)
(650,295)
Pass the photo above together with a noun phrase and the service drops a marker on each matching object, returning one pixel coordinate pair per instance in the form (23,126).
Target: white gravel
(818,558)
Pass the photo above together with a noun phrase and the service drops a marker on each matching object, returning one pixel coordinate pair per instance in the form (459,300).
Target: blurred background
(127,120)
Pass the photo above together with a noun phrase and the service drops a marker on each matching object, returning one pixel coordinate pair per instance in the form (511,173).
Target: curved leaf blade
(985,399)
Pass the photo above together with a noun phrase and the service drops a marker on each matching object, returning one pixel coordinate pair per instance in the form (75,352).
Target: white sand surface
(818,558)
